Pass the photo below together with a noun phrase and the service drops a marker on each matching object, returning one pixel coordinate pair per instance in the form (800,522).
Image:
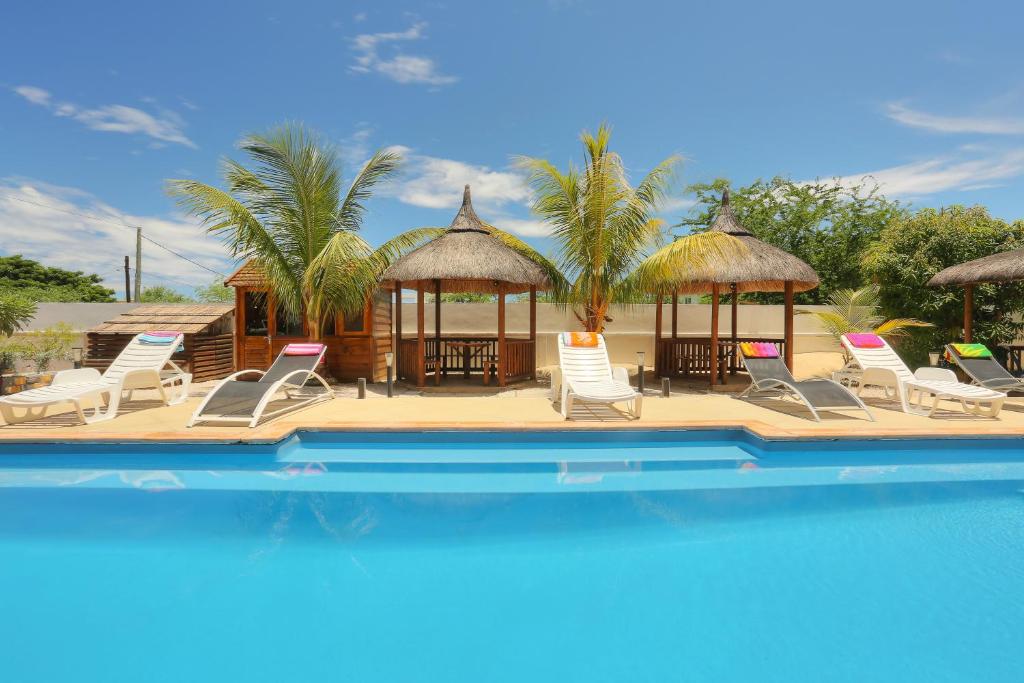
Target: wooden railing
(456,358)
(691,356)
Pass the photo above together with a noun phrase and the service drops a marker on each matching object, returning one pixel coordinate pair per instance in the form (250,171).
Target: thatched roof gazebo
(758,267)
(1007,266)
(467,257)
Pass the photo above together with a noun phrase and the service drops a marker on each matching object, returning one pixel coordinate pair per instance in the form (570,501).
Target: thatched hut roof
(760,268)
(467,257)
(1007,266)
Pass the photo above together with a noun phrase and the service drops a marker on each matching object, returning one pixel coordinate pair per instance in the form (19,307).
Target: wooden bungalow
(356,344)
(209,342)
(467,257)
(759,267)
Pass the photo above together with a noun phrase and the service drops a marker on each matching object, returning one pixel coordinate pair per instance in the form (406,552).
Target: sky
(101,103)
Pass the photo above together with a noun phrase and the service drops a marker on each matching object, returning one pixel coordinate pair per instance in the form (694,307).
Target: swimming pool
(697,556)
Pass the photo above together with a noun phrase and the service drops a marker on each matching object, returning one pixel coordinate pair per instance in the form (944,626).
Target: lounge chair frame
(788,387)
(590,378)
(87,388)
(885,369)
(287,383)
(1005,382)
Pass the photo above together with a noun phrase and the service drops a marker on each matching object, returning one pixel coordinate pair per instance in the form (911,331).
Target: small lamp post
(640,372)
(389,360)
(76,357)
(934,357)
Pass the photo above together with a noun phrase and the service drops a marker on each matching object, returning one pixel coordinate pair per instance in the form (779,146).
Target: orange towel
(581,339)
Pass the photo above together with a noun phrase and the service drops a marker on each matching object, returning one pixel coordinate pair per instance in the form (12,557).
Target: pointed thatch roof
(760,268)
(467,257)
(1007,266)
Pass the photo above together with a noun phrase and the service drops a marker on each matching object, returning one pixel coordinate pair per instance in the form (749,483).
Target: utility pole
(138,264)
(127,281)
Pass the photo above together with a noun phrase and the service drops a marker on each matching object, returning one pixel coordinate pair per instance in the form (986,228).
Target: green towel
(972,350)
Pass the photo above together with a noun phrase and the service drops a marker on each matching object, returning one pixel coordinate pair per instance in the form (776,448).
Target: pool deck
(148,420)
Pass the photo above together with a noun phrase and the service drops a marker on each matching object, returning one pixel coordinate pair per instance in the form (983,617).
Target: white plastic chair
(587,376)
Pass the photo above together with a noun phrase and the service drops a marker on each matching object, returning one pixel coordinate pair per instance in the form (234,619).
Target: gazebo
(759,267)
(467,257)
(1007,266)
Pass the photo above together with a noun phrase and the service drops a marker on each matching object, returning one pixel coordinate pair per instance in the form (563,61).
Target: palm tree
(858,310)
(287,213)
(605,228)
(15,312)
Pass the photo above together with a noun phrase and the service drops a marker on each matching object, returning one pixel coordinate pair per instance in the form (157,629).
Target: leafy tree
(43,283)
(159,294)
(15,311)
(605,227)
(289,214)
(915,247)
(859,310)
(463,297)
(828,225)
(215,292)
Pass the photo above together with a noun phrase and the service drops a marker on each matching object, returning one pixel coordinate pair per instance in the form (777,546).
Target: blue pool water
(642,556)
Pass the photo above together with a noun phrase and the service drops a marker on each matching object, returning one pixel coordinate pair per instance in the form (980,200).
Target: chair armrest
(936,374)
(881,377)
(144,378)
(620,374)
(77,375)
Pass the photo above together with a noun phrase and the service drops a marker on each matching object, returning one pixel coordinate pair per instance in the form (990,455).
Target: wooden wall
(206,357)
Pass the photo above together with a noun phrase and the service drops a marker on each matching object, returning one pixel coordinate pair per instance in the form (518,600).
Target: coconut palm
(859,310)
(605,228)
(15,311)
(288,214)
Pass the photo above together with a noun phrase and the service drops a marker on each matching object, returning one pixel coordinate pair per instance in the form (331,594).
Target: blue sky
(101,102)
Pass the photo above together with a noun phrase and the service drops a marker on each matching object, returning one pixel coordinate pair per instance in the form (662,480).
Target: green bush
(49,345)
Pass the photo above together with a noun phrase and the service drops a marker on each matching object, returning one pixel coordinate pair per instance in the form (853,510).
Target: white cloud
(39,221)
(943,173)
(436,183)
(954,124)
(166,125)
(400,68)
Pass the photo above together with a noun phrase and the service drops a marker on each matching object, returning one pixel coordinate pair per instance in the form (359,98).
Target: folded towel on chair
(865,340)
(972,350)
(162,333)
(303,349)
(579,339)
(759,350)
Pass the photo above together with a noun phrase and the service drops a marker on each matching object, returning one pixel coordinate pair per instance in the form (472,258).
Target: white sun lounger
(233,400)
(587,376)
(883,368)
(138,366)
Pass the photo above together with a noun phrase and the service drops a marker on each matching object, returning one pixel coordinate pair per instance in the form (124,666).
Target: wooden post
(533,329)
(968,313)
(501,337)
(675,313)
(239,328)
(421,369)
(788,336)
(437,331)
(658,316)
(713,358)
(732,356)
(127,281)
(398,329)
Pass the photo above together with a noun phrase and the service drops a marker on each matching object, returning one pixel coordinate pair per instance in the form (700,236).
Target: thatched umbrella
(758,267)
(1007,266)
(467,257)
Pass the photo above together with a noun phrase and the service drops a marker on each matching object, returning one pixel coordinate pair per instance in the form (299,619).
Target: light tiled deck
(524,409)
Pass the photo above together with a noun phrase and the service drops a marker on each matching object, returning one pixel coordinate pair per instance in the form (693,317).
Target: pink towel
(859,340)
(303,349)
(163,333)
(759,350)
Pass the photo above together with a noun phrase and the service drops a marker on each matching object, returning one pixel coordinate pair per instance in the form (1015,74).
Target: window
(354,322)
(288,325)
(255,314)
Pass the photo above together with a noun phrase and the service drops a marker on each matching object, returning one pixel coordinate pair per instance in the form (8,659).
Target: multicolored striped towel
(580,339)
(972,350)
(759,350)
(303,349)
(161,339)
(865,340)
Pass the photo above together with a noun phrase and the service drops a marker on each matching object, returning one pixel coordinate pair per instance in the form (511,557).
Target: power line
(122,224)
